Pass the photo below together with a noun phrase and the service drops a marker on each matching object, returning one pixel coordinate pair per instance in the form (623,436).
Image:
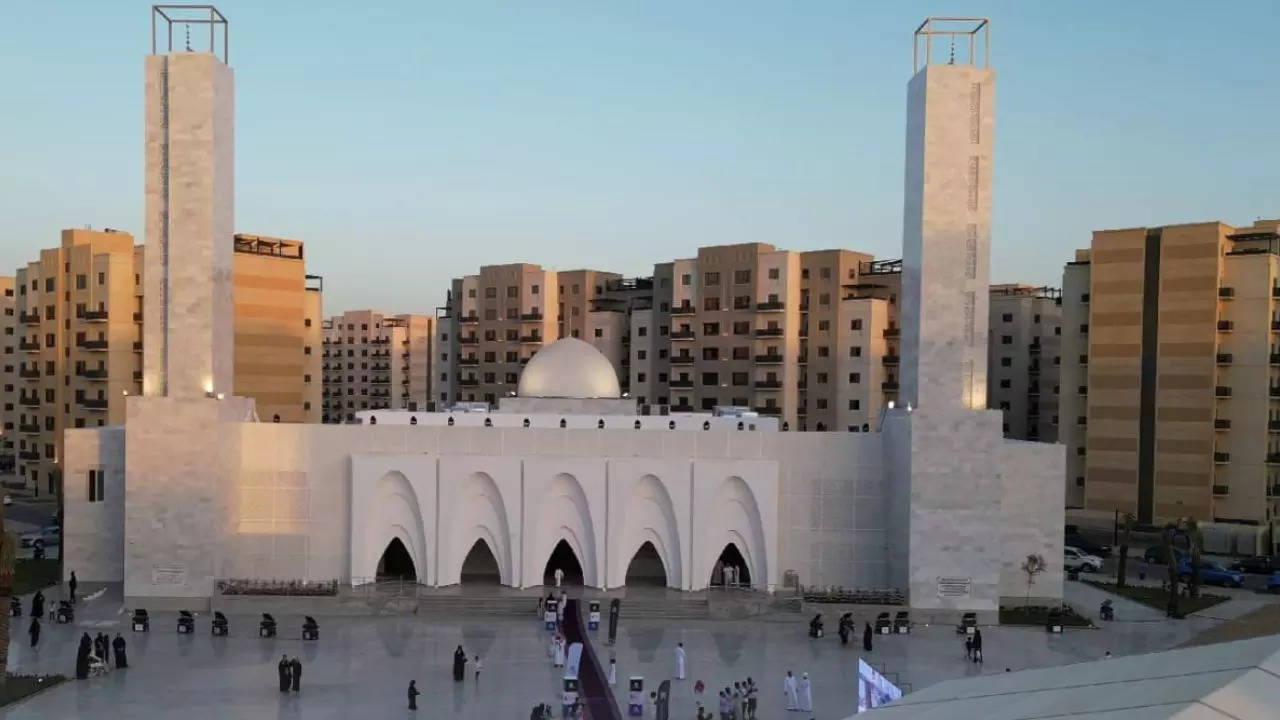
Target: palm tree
(1195,541)
(1126,525)
(1033,566)
(7,545)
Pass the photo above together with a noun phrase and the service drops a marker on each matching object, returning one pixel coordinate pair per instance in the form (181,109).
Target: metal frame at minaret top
(974,27)
(192,15)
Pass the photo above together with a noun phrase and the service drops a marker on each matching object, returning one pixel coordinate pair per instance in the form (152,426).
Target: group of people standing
(973,646)
(737,702)
(847,628)
(97,651)
(290,671)
(799,693)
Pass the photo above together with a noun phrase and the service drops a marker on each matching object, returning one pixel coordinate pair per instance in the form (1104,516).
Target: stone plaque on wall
(975,113)
(169,574)
(970,303)
(973,182)
(971,251)
(954,587)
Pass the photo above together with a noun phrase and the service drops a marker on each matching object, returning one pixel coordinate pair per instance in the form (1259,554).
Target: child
(479,667)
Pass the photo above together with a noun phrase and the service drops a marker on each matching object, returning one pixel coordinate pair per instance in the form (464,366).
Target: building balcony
(1082,390)
(681,384)
(531,339)
(380,367)
(29,345)
(892,332)
(682,309)
(768,384)
(92,403)
(1224,358)
(380,381)
(468,361)
(469,340)
(682,335)
(469,382)
(803,359)
(682,408)
(1084,359)
(1275,325)
(1033,389)
(682,359)
(768,359)
(29,428)
(531,317)
(93,315)
(771,306)
(97,345)
(1273,491)
(889,386)
(1033,368)
(468,320)
(137,376)
(1274,391)
(1226,293)
(1221,457)
(769,410)
(29,373)
(1221,490)
(137,346)
(93,373)
(1225,326)
(1222,391)
(1222,423)
(891,359)
(1273,458)
(380,341)
(137,317)
(29,454)
(1273,426)
(1034,348)
(29,318)
(768,332)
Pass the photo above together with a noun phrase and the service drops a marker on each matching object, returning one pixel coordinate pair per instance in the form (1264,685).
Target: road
(1143,572)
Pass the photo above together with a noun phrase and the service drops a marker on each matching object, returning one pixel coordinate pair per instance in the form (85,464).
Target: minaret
(946,233)
(189,116)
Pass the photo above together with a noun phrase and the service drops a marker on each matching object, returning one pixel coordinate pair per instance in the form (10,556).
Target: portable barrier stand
(549,616)
(635,700)
(186,622)
(141,622)
(593,615)
(569,695)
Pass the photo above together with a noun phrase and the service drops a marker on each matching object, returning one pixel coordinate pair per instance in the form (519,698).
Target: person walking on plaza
(71,585)
(752,692)
(968,647)
(679,661)
(789,690)
(295,673)
(283,669)
(459,664)
(977,646)
(613,672)
(122,659)
(560,649)
(413,695)
(34,630)
(805,690)
(866,638)
(37,604)
(540,606)
(99,648)
(478,668)
(82,657)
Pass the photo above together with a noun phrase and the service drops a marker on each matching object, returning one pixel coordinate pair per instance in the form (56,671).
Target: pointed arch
(481,515)
(737,521)
(396,562)
(646,567)
(480,564)
(566,516)
(651,517)
(394,515)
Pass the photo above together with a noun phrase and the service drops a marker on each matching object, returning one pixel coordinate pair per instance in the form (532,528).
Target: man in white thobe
(559,651)
(559,575)
(789,690)
(806,693)
(679,661)
(613,672)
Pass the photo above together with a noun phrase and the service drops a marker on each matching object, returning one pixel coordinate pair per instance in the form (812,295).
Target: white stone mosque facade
(193,489)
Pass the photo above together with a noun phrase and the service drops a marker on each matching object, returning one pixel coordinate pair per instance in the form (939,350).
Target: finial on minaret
(188,28)
(951,61)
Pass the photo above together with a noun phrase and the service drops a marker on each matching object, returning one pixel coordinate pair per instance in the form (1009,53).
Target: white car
(1076,559)
(8,499)
(47,537)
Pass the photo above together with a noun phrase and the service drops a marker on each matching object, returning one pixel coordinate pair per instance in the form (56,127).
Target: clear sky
(413,142)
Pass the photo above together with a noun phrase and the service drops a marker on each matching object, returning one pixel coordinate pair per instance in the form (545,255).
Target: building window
(96,493)
(855,378)
(1006,339)
(711,303)
(1006,362)
(855,405)
(82,282)
(742,328)
(640,377)
(823,351)
(491,292)
(711,353)
(855,351)
(822,378)
(824,273)
(741,277)
(824,325)
(824,299)
(1007,317)
(773,273)
(534,290)
(642,332)
(711,278)
(741,353)
(1005,384)
(710,378)
(642,354)
(822,403)
(306,350)
(740,378)
(686,279)
(855,324)
(599,332)
(710,328)
(306,322)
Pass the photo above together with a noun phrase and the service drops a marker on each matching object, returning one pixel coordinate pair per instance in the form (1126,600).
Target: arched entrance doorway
(396,563)
(738,575)
(564,558)
(480,567)
(646,568)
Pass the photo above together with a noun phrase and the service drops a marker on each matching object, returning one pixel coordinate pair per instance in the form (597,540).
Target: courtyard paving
(361,665)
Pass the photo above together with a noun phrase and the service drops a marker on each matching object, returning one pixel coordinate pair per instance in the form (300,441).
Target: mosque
(566,475)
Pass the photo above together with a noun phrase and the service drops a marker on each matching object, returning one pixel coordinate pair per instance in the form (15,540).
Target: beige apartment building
(1171,373)
(78,339)
(1024,356)
(277,311)
(372,360)
(8,375)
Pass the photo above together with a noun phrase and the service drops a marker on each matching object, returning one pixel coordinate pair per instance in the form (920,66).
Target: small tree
(1126,526)
(1033,566)
(1195,542)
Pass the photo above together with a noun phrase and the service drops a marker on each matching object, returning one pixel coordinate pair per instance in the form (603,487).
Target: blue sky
(412,142)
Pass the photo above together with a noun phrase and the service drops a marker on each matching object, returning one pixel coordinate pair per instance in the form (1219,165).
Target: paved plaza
(361,665)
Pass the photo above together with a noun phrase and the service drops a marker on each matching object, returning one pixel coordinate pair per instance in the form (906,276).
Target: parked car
(8,499)
(1212,573)
(1076,559)
(1273,583)
(1261,565)
(1080,542)
(1156,555)
(46,536)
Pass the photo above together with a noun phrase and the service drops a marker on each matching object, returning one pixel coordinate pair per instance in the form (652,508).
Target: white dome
(569,368)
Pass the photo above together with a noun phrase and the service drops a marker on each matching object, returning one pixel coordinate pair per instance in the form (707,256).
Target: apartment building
(8,375)
(78,339)
(1171,372)
(1024,356)
(277,325)
(79,314)
(372,360)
